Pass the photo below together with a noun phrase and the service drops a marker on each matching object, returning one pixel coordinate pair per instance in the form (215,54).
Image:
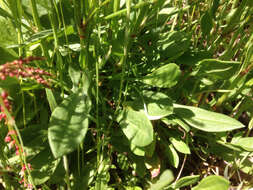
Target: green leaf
(8,36)
(173,44)
(51,99)
(134,125)
(139,151)
(157,105)
(163,77)
(172,155)
(245,142)
(7,55)
(69,124)
(165,179)
(75,75)
(180,145)
(218,69)
(43,166)
(212,183)
(185,181)
(133,188)
(206,23)
(206,120)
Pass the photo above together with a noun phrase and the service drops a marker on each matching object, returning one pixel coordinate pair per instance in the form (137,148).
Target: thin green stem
(66,167)
(123,59)
(37,23)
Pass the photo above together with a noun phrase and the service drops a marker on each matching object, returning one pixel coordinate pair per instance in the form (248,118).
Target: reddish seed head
(12,132)
(21,181)
(11,144)
(7,139)
(19,68)
(4,94)
(29,186)
(11,74)
(3,77)
(2,116)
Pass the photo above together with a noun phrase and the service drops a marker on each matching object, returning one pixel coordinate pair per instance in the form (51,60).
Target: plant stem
(66,167)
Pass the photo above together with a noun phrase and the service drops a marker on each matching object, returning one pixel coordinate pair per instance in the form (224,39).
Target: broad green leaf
(180,145)
(173,44)
(134,125)
(206,23)
(218,69)
(139,151)
(43,166)
(172,156)
(165,179)
(212,183)
(144,151)
(157,105)
(245,142)
(185,181)
(206,120)
(163,77)
(68,124)
(150,149)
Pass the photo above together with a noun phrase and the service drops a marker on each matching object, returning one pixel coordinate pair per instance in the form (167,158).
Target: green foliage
(68,124)
(165,179)
(135,125)
(206,120)
(135,88)
(163,77)
(212,182)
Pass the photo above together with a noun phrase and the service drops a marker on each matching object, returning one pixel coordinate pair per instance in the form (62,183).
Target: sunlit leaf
(157,105)
(206,120)
(212,183)
(185,181)
(218,69)
(165,179)
(180,145)
(68,124)
(163,77)
(245,142)
(136,126)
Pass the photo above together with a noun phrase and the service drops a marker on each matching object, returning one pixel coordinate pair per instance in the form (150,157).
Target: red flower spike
(7,139)
(4,94)
(12,132)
